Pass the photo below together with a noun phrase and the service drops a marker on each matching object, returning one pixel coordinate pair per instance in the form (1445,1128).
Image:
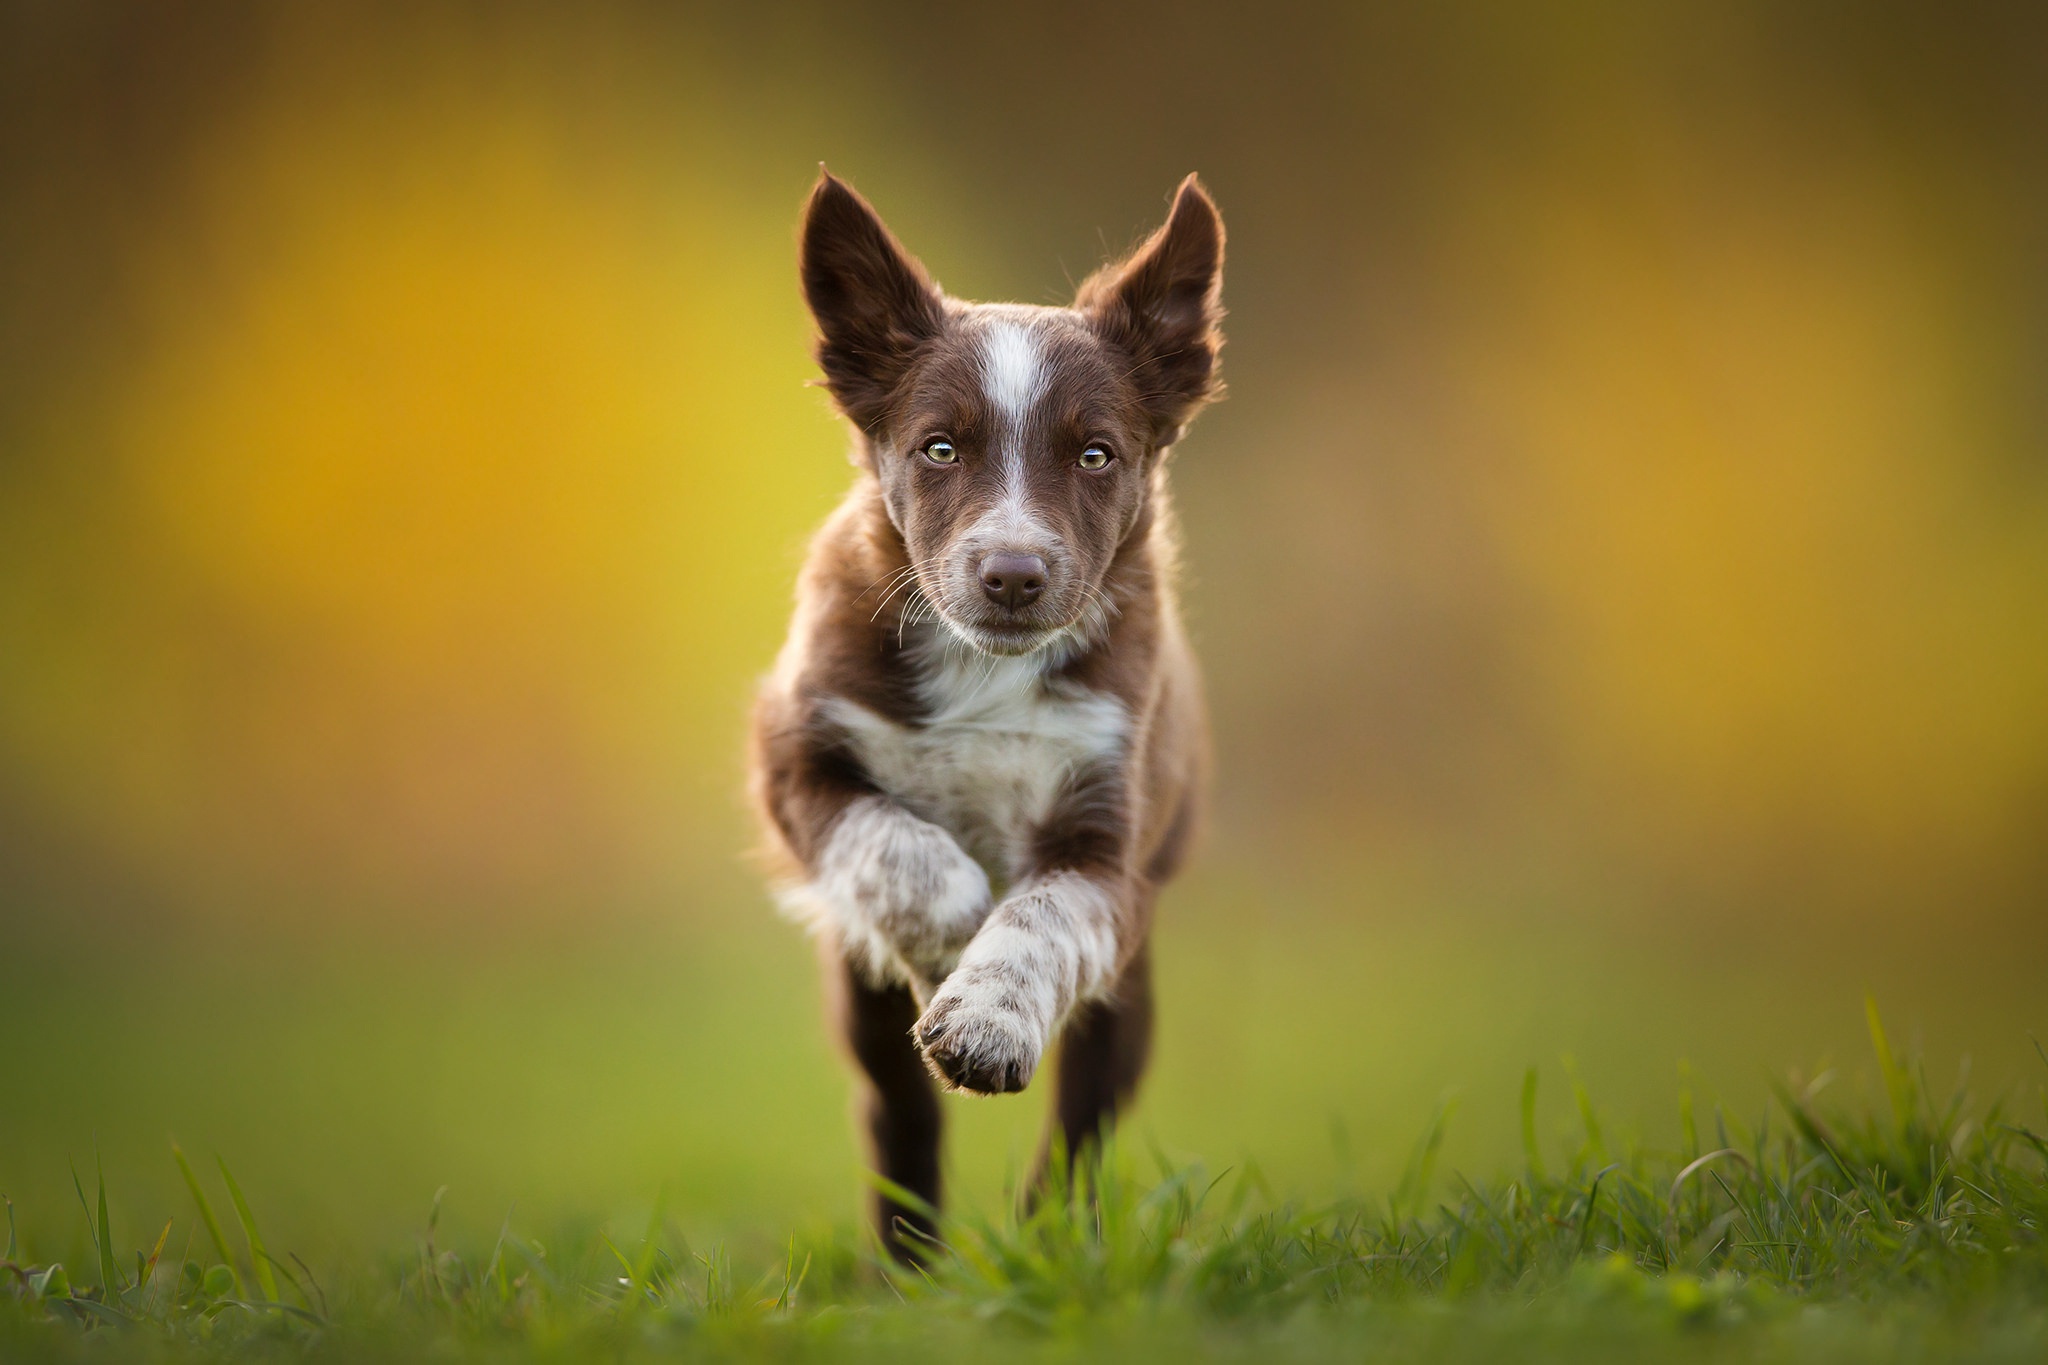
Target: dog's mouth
(1007,639)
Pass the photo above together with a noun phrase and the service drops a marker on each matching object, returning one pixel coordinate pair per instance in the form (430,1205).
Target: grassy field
(1380,1134)
(1912,1232)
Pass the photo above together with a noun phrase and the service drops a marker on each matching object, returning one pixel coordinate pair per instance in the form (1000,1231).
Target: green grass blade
(110,1278)
(318,1292)
(1412,1194)
(220,1241)
(259,1259)
(1593,1203)
(92,1229)
(1898,1085)
(792,1278)
(1809,1126)
(1596,1145)
(100,1310)
(1532,1152)
(640,1269)
(147,1267)
(625,1263)
(907,1198)
(1686,1122)
(643,1264)
(291,1278)
(494,1271)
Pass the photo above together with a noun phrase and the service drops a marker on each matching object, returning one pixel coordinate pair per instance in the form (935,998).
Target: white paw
(900,890)
(982,1032)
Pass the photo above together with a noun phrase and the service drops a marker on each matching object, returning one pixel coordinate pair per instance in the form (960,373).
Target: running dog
(982,750)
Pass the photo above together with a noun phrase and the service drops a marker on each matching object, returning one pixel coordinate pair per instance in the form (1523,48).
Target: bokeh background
(1621,566)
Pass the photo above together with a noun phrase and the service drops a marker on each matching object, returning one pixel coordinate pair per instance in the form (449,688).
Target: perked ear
(874,303)
(1163,307)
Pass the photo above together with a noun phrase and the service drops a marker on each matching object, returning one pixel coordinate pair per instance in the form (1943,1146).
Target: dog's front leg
(898,890)
(1052,941)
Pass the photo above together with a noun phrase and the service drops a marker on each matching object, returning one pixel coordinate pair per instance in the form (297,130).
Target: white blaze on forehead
(1013,376)
(1012,369)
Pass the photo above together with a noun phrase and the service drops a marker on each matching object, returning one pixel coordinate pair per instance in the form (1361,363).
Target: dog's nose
(1013,580)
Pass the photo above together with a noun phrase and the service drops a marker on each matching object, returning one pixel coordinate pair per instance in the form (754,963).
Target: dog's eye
(941,452)
(1095,457)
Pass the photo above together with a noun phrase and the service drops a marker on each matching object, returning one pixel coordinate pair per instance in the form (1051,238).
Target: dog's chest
(989,764)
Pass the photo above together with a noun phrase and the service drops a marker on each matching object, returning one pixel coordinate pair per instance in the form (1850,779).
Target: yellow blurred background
(1626,537)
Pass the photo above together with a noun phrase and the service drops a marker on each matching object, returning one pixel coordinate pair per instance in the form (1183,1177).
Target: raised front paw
(976,1036)
(901,890)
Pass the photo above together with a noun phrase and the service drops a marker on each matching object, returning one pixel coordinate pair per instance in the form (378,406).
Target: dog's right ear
(874,303)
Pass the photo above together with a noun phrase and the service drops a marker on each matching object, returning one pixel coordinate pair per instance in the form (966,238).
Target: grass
(1909,1230)
(347,1074)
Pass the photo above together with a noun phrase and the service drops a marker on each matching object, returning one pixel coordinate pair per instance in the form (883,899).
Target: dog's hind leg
(1102,1054)
(899,1105)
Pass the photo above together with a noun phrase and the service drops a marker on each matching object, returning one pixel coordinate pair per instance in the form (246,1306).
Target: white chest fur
(1001,743)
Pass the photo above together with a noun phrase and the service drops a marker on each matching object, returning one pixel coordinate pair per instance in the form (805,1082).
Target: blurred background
(1621,566)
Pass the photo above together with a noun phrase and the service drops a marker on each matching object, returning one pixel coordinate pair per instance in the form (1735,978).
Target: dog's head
(1015,445)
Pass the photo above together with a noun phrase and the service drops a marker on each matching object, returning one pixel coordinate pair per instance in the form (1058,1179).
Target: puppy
(981,752)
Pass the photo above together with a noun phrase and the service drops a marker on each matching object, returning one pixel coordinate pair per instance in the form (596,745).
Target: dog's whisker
(903,577)
(905,570)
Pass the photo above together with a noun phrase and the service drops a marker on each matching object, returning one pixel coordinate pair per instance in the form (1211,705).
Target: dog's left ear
(1164,306)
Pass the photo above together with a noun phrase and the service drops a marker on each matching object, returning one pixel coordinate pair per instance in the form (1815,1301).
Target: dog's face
(1015,445)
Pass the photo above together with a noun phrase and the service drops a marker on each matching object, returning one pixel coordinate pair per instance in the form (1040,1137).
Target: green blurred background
(1621,567)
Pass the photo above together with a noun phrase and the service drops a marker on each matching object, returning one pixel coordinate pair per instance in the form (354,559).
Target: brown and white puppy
(982,748)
